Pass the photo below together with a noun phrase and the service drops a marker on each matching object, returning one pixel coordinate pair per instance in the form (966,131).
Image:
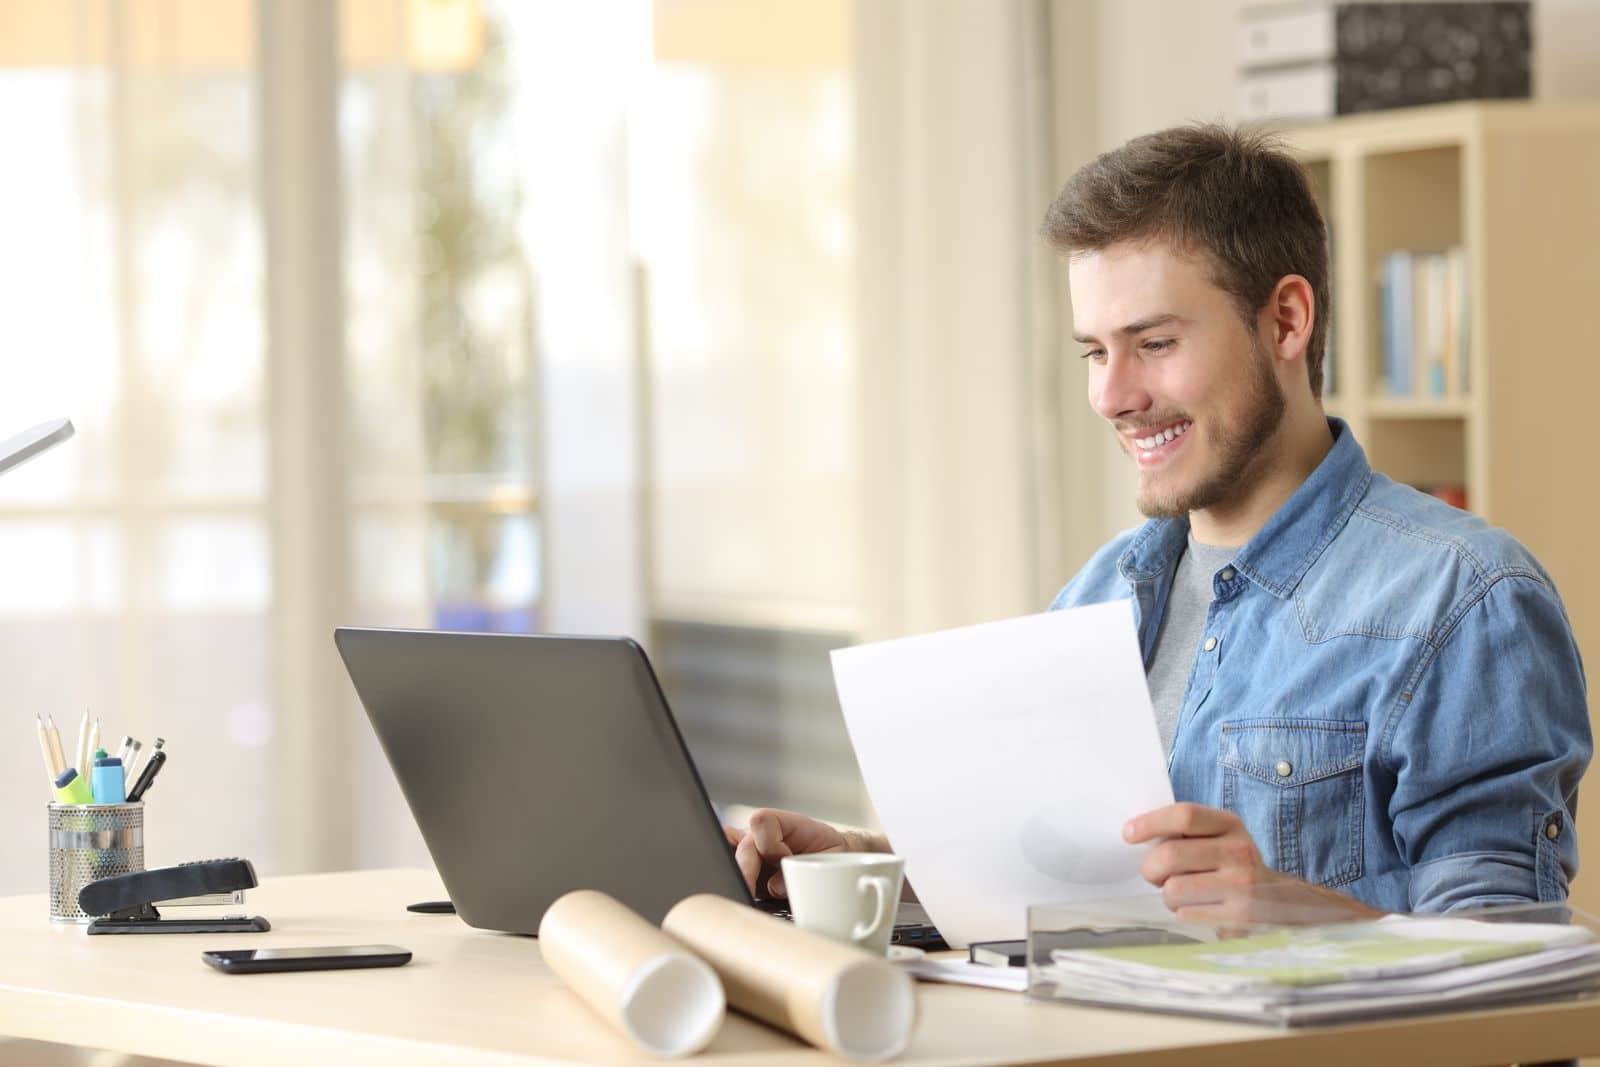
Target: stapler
(127,903)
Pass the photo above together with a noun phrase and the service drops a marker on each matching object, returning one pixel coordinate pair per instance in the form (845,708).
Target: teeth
(1156,440)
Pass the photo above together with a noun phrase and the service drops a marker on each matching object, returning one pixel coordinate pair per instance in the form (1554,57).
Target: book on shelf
(1424,313)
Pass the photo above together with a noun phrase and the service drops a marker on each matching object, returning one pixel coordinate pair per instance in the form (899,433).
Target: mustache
(1124,426)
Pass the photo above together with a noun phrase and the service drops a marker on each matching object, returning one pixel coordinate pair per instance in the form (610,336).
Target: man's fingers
(1206,889)
(733,834)
(752,866)
(1179,820)
(797,833)
(766,842)
(774,834)
(1181,856)
(767,828)
(749,861)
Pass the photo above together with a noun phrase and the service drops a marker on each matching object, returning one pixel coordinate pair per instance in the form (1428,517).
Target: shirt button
(1284,768)
(1211,643)
(1227,574)
(1552,831)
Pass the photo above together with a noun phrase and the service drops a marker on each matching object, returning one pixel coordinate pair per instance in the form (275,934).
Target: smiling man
(1370,701)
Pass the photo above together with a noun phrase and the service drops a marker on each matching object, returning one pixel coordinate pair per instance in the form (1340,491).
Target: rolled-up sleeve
(1487,749)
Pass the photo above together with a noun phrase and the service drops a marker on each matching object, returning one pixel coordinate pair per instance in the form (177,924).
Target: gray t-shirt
(1179,638)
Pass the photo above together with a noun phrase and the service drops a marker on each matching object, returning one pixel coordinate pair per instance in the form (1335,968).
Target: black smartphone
(321,958)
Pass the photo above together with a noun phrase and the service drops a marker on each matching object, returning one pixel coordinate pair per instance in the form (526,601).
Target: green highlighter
(72,789)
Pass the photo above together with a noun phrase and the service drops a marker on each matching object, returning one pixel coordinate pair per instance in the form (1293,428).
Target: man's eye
(1097,355)
(1159,346)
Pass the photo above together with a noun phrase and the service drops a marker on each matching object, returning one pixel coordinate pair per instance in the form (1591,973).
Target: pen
(53,736)
(140,757)
(50,768)
(80,755)
(129,756)
(152,766)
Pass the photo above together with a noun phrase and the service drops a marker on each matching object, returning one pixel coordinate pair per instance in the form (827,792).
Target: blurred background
(718,323)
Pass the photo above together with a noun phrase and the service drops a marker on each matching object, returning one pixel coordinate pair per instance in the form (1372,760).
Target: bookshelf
(1517,185)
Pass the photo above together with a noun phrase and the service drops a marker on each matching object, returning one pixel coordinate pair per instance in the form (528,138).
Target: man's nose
(1118,391)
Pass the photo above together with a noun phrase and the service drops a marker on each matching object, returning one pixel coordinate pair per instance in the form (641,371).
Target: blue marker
(108,784)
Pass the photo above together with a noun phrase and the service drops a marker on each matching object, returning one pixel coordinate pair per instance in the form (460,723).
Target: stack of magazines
(1332,973)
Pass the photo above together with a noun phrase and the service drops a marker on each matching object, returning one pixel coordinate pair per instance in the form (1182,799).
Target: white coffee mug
(848,896)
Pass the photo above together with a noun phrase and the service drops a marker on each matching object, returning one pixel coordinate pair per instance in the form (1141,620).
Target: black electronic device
(1015,953)
(582,725)
(432,907)
(127,902)
(999,953)
(313,958)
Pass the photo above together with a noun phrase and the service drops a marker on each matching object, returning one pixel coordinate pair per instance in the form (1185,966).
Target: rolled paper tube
(634,976)
(835,996)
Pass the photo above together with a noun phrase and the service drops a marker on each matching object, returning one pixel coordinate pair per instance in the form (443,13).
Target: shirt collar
(1281,552)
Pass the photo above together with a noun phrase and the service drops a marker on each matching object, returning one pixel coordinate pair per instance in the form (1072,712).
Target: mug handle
(882,887)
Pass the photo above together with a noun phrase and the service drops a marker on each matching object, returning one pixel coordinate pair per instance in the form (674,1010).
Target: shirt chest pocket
(1297,785)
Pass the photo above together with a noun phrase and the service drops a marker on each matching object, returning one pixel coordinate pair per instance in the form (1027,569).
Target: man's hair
(1234,197)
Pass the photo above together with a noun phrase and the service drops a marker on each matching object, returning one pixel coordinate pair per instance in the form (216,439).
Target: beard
(1238,447)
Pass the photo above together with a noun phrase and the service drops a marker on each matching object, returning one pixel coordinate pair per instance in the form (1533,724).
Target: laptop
(535,765)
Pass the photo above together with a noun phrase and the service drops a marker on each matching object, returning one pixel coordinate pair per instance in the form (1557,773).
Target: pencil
(83,750)
(44,750)
(57,758)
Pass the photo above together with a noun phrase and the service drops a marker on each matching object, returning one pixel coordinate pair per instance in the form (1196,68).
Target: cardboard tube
(833,995)
(635,977)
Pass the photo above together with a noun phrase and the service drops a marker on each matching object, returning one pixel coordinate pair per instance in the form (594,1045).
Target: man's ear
(1290,314)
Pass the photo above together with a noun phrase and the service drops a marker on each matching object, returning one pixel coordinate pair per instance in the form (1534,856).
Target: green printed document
(1294,976)
(1305,958)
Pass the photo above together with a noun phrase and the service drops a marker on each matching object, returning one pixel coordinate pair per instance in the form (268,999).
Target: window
(136,555)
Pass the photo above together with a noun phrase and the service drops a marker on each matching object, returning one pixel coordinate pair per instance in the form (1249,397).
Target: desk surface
(476,998)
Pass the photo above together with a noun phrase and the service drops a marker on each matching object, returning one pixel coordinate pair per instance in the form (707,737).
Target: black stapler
(127,902)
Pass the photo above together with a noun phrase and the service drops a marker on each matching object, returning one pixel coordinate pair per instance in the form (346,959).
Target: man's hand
(774,834)
(1209,870)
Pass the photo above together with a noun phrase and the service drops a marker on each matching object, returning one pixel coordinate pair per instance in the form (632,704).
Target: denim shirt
(1388,693)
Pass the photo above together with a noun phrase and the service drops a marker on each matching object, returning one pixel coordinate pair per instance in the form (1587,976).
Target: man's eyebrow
(1149,322)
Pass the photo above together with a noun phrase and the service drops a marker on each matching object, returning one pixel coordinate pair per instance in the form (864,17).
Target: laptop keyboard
(917,934)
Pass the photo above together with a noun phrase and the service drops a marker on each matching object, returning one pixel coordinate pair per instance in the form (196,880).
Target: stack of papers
(1347,971)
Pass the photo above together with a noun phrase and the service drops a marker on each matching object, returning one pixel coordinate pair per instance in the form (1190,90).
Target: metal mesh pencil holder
(89,842)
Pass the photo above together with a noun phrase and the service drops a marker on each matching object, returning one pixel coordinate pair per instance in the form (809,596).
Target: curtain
(960,405)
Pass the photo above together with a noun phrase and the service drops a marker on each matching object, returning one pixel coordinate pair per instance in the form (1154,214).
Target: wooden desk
(476,998)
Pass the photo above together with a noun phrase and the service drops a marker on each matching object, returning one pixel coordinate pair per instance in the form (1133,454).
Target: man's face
(1190,392)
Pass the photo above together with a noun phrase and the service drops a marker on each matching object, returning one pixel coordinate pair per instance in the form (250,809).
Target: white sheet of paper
(960,972)
(1003,760)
